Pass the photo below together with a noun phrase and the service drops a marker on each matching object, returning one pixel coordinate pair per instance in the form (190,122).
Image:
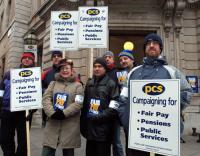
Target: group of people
(97,111)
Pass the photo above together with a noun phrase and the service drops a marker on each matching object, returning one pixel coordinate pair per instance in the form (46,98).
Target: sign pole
(91,62)
(28,135)
(63,54)
(152,154)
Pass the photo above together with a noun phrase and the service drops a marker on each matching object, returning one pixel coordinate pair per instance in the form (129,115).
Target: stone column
(168,9)
(198,35)
(178,50)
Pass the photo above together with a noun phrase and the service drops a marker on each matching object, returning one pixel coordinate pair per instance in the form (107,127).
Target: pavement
(190,148)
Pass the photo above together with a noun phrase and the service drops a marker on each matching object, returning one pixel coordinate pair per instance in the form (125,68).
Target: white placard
(64,30)
(154,124)
(26,89)
(93,27)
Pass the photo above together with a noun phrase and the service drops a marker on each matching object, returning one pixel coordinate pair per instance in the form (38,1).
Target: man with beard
(154,67)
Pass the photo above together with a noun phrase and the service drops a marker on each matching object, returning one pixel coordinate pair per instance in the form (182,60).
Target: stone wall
(12,42)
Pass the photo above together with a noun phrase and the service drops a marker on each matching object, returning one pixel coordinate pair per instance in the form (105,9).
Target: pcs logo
(65,16)
(153,89)
(93,12)
(25,73)
(30,47)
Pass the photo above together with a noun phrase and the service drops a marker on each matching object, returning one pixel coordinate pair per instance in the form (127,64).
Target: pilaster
(168,15)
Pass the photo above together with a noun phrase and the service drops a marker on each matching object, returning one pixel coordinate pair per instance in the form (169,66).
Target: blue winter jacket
(5,92)
(152,69)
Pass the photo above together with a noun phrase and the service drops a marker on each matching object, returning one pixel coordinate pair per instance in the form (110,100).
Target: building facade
(176,21)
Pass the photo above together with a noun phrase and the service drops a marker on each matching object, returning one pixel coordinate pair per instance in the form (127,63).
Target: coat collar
(100,81)
(65,80)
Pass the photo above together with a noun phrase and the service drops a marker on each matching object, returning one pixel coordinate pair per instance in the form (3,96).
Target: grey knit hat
(108,53)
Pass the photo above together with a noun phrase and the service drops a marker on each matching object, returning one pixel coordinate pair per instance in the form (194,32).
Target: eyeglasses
(64,68)
(152,43)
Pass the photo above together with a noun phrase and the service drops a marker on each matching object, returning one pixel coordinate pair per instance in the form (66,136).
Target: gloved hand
(30,114)
(58,115)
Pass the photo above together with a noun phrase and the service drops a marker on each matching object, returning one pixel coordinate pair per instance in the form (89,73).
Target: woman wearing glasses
(62,102)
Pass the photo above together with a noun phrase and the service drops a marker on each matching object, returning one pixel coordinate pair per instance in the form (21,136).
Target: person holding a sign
(11,121)
(49,75)
(99,111)
(154,67)
(62,102)
(127,63)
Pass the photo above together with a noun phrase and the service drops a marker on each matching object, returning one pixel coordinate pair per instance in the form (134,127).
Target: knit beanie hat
(153,37)
(28,54)
(56,52)
(108,53)
(128,50)
(101,61)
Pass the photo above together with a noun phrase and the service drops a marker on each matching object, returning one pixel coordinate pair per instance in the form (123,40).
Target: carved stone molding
(56,5)
(168,16)
(193,4)
(180,6)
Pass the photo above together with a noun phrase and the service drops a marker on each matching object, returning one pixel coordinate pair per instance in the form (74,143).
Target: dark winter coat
(97,120)
(5,92)
(152,69)
(48,76)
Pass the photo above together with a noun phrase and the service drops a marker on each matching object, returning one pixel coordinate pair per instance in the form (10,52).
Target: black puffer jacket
(97,122)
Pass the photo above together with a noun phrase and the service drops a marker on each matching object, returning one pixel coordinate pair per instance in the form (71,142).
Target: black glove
(58,115)
(30,114)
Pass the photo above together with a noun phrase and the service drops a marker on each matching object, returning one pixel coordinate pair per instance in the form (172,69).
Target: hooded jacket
(152,69)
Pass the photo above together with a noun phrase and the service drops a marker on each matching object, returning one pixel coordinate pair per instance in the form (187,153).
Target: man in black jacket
(49,75)
(99,111)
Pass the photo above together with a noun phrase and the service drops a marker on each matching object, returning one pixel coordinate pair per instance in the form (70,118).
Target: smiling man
(154,67)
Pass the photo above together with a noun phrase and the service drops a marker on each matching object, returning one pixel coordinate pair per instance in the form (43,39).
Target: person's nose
(151,44)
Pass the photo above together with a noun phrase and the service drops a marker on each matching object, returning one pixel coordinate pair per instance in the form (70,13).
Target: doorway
(119,37)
